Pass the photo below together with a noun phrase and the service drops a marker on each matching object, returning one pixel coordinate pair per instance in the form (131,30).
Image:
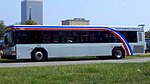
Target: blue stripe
(56,27)
(128,45)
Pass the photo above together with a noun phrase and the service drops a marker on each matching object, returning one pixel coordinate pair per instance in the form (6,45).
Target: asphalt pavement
(56,63)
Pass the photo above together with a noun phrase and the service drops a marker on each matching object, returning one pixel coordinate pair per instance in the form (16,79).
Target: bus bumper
(8,57)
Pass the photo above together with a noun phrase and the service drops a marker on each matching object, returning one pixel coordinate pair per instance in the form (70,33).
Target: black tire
(118,53)
(38,56)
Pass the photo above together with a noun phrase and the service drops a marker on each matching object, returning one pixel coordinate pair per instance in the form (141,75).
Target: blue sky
(99,12)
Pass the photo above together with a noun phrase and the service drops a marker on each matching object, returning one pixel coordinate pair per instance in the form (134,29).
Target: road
(55,63)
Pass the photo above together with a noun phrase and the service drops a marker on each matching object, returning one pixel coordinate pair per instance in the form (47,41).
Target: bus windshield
(8,39)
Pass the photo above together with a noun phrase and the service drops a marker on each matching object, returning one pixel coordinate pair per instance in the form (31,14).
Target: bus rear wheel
(38,56)
(118,53)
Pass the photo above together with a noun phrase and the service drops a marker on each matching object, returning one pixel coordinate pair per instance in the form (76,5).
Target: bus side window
(37,39)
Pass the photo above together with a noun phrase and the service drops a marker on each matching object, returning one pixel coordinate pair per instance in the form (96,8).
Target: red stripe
(61,29)
(57,28)
(126,49)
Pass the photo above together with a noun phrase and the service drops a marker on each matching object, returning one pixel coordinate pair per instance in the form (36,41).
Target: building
(32,10)
(76,21)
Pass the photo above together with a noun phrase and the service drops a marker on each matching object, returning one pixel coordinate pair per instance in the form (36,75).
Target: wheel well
(42,50)
(120,47)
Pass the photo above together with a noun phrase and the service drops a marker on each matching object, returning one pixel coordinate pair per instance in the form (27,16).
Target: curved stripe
(123,40)
(127,43)
(111,30)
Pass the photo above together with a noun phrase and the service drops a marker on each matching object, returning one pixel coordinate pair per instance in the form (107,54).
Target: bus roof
(74,27)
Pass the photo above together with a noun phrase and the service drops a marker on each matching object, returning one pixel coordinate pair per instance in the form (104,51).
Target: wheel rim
(118,53)
(39,56)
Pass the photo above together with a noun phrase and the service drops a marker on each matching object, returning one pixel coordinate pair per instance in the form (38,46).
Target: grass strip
(113,73)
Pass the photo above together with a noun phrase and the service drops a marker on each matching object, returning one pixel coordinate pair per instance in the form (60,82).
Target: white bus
(42,42)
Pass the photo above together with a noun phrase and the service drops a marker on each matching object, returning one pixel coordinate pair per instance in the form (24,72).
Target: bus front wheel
(118,53)
(38,56)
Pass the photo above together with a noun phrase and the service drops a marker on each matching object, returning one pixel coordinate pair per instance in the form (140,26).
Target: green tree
(2,28)
(147,34)
(29,22)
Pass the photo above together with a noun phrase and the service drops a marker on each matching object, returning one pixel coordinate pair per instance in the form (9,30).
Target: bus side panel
(138,48)
(64,50)
(91,49)
(67,50)
(100,49)
(23,51)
